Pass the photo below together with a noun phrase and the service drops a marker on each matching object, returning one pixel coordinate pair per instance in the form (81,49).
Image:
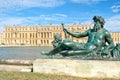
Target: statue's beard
(96,27)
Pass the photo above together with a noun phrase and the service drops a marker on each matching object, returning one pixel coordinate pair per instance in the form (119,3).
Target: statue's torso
(96,39)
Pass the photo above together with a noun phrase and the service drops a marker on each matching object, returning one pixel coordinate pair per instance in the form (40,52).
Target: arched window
(44,41)
(48,34)
(41,41)
(44,35)
(41,35)
(30,35)
(47,41)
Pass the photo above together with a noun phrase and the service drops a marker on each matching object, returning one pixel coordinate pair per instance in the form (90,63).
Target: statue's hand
(62,24)
(64,29)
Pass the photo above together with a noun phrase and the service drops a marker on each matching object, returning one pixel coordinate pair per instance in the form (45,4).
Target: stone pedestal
(81,68)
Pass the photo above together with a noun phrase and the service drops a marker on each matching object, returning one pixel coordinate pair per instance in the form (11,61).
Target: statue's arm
(77,35)
(109,40)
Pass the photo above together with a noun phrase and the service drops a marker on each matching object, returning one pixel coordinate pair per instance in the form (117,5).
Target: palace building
(1,39)
(43,35)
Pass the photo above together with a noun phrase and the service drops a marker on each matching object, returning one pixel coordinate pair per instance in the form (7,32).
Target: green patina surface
(99,42)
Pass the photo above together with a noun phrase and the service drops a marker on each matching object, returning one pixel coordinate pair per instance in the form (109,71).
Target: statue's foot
(47,53)
(44,53)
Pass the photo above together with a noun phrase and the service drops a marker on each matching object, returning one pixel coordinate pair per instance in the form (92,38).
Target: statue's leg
(62,47)
(55,50)
(76,52)
(69,46)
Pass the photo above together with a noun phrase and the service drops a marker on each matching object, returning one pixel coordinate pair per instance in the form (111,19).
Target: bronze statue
(116,52)
(57,40)
(99,41)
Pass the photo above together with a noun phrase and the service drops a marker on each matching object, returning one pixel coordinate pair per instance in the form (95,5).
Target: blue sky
(44,12)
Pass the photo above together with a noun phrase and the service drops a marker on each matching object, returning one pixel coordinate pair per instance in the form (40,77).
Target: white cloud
(86,1)
(87,22)
(11,21)
(113,23)
(43,19)
(115,8)
(20,4)
(42,3)
(32,20)
(61,15)
(8,7)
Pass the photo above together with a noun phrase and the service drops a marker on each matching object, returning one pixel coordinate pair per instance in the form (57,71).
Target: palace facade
(1,38)
(42,35)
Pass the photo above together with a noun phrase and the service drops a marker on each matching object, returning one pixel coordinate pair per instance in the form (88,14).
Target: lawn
(37,76)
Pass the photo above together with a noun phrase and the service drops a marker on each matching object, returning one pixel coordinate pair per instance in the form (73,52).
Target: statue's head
(99,19)
(57,37)
(98,23)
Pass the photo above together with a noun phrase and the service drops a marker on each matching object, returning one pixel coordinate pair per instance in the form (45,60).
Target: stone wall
(81,68)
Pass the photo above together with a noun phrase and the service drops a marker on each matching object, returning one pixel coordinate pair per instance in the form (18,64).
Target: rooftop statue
(99,41)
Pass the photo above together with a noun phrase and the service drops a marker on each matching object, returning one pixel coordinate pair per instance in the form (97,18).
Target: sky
(45,12)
